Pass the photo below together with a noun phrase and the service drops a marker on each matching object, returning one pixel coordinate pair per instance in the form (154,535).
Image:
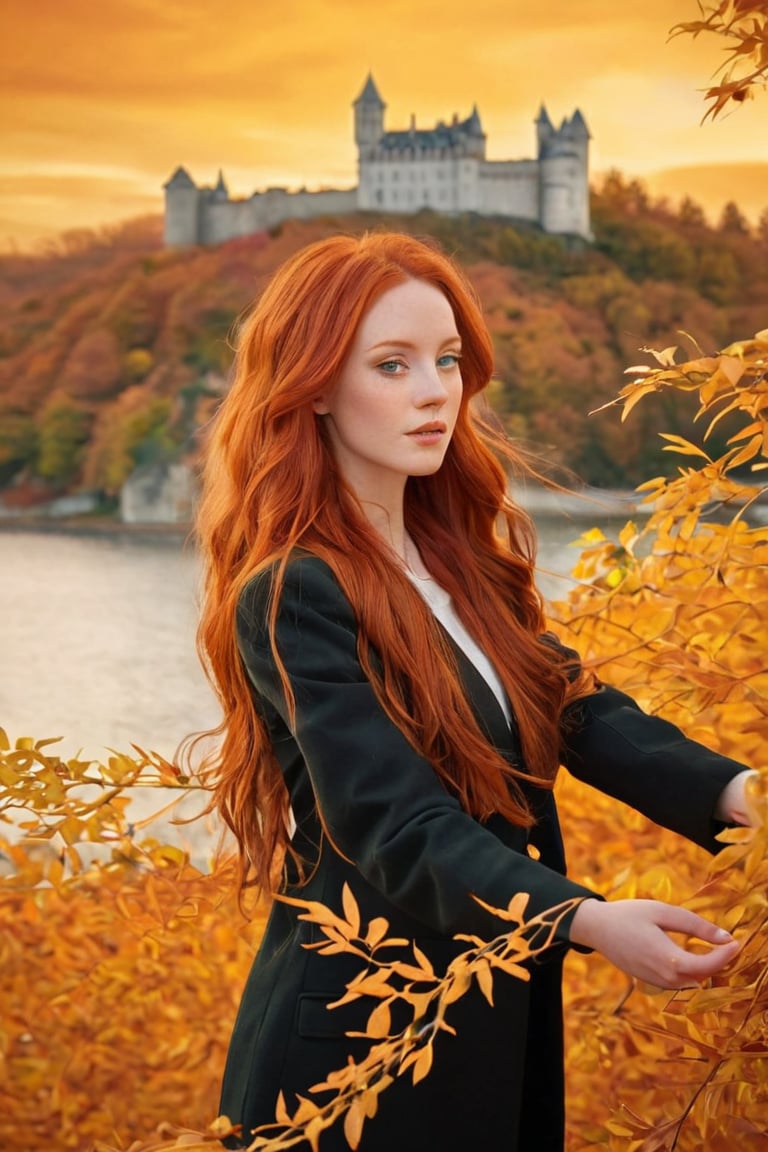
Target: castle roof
(180,179)
(473,123)
(578,125)
(441,136)
(370,93)
(543,118)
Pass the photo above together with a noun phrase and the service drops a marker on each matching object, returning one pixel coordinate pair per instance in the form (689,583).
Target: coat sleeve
(648,763)
(382,803)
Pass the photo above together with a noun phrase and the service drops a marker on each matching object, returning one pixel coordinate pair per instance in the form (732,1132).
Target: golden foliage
(677,615)
(120,983)
(744,26)
(676,612)
(119,979)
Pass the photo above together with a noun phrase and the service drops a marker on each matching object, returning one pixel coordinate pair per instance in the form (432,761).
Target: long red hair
(271,485)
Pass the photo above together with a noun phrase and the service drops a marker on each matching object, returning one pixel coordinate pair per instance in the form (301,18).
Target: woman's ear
(320,406)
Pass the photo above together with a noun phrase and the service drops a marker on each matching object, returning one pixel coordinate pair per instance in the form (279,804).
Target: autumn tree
(134,430)
(63,428)
(691,214)
(733,220)
(18,444)
(93,369)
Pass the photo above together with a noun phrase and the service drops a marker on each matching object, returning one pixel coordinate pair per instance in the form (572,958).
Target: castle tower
(182,210)
(475,136)
(369,117)
(220,192)
(564,179)
(544,129)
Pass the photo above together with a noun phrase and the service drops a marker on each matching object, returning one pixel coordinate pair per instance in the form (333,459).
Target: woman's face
(392,411)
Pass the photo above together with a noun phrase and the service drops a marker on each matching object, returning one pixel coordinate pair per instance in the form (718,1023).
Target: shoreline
(95,526)
(537,501)
(585,505)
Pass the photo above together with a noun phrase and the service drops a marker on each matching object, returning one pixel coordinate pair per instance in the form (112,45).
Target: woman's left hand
(732,804)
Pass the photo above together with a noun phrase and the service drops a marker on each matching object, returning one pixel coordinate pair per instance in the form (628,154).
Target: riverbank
(588,504)
(94,526)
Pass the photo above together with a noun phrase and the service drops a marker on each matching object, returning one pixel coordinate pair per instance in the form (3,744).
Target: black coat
(418,858)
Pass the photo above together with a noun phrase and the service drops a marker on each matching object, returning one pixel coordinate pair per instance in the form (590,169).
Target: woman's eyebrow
(398,343)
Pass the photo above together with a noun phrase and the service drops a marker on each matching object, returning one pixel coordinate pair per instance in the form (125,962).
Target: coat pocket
(316,1021)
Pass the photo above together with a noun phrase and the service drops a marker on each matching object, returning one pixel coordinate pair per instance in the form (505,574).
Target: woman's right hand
(634,935)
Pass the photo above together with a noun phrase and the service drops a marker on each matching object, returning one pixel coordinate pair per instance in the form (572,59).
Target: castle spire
(369,116)
(579,125)
(221,192)
(180,179)
(473,124)
(543,117)
(370,93)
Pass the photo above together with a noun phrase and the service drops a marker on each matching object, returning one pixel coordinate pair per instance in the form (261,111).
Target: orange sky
(102,99)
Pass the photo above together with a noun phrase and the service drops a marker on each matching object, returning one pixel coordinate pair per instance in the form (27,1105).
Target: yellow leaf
(379,1021)
(423,961)
(485,982)
(353,1122)
(422,1064)
(351,910)
(683,446)
(377,930)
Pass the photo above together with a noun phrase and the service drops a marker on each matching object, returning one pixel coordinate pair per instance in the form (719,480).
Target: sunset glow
(102,102)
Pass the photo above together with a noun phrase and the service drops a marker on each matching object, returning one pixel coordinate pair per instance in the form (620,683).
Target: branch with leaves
(413,983)
(743,24)
(81,800)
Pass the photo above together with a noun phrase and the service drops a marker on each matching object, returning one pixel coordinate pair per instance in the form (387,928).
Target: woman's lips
(429,433)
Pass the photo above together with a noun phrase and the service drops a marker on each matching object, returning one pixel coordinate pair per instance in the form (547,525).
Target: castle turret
(220,192)
(182,210)
(369,117)
(544,129)
(476,137)
(578,127)
(564,168)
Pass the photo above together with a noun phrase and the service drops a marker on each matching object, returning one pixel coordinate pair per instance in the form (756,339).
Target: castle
(442,168)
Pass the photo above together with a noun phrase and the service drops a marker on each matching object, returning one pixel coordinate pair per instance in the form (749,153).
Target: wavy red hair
(271,486)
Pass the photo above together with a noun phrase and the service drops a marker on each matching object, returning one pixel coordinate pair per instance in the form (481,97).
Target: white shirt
(442,608)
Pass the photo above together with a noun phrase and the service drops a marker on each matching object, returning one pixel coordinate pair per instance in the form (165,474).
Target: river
(98,637)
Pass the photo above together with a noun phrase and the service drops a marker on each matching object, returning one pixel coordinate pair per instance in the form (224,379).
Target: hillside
(114,351)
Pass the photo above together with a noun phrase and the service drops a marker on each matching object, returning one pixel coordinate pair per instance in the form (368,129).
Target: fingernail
(722,936)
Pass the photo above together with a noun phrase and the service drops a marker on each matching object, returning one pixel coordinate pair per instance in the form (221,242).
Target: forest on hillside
(114,351)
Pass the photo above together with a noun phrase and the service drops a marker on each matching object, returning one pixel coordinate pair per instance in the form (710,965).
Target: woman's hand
(633,935)
(732,804)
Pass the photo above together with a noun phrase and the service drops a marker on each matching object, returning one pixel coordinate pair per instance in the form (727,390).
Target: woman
(394,712)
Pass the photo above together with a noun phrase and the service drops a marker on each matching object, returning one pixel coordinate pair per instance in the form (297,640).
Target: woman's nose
(431,389)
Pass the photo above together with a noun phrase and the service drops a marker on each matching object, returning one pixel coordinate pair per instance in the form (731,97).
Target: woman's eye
(449,360)
(391,367)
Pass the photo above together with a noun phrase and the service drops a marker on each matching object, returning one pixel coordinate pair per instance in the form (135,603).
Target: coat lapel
(546,834)
(488,712)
